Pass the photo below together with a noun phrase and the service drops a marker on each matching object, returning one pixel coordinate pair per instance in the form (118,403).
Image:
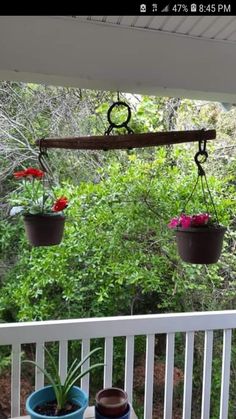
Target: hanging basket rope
(200,158)
(43,157)
(200,242)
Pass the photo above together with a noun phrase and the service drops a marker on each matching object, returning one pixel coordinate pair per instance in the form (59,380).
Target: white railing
(15,334)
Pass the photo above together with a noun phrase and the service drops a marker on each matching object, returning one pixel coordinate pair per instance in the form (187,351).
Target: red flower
(36,173)
(60,204)
(20,174)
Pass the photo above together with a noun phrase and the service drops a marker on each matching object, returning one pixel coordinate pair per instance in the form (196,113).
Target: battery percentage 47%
(178,8)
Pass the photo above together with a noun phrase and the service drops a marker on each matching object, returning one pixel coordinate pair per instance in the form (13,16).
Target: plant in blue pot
(60,400)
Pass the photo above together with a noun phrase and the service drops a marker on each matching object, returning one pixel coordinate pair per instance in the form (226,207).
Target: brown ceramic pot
(112,402)
(200,245)
(43,229)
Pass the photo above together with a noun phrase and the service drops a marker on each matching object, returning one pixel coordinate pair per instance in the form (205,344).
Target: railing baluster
(129,367)
(84,351)
(108,328)
(148,396)
(39,359)
(170,350)
(207,369)
(108,359)
(63,359)
(188,375)
(225,377)
(15,380)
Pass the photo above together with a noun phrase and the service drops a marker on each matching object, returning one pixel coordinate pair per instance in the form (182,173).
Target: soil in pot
(50,409)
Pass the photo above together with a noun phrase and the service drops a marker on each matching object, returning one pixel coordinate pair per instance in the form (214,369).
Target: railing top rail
(55,330)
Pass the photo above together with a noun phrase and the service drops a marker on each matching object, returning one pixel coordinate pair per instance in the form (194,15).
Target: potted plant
(42,210)
(199,238)
(60,400)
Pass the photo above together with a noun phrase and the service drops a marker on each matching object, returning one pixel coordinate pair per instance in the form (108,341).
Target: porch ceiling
(177,56)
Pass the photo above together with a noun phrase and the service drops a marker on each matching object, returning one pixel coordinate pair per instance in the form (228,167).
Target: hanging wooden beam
(127,141)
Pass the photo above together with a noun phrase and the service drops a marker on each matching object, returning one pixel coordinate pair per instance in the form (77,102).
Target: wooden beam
(127,141)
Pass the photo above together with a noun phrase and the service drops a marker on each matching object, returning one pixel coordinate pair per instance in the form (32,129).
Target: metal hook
(203,155)
(202,146)
(123,124)
(42,157)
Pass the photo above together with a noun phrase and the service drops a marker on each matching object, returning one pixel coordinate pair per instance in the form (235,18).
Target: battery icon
(143,8)
(193,7)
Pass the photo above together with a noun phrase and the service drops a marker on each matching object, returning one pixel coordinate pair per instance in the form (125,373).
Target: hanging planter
(44,229)
(198,240)
(199,237)
(200,245)
(43,214)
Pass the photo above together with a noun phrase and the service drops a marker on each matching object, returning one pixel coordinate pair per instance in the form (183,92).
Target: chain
(200,158)
(43,161)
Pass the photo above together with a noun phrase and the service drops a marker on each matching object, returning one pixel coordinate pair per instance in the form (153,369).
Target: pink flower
(187,221)
(199,220)
(173,223)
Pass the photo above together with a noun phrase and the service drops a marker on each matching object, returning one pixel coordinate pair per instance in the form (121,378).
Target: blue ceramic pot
(47,394)
(125,416)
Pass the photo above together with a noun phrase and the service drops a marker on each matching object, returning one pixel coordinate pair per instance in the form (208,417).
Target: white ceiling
(175,56)
(208,27)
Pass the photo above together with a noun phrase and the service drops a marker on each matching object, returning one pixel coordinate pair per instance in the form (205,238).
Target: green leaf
(61,391)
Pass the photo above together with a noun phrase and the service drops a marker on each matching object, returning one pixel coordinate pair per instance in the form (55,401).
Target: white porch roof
(191,57)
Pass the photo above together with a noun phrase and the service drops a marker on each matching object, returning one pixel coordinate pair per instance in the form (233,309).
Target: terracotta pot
(44,230)
(200,245)
(112,402)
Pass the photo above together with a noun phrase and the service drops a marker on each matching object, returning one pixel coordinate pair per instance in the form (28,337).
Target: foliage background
(117,256)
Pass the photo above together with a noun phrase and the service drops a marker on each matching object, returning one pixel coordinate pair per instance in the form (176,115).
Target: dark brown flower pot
(44,230)
(201,245)
(112,402)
